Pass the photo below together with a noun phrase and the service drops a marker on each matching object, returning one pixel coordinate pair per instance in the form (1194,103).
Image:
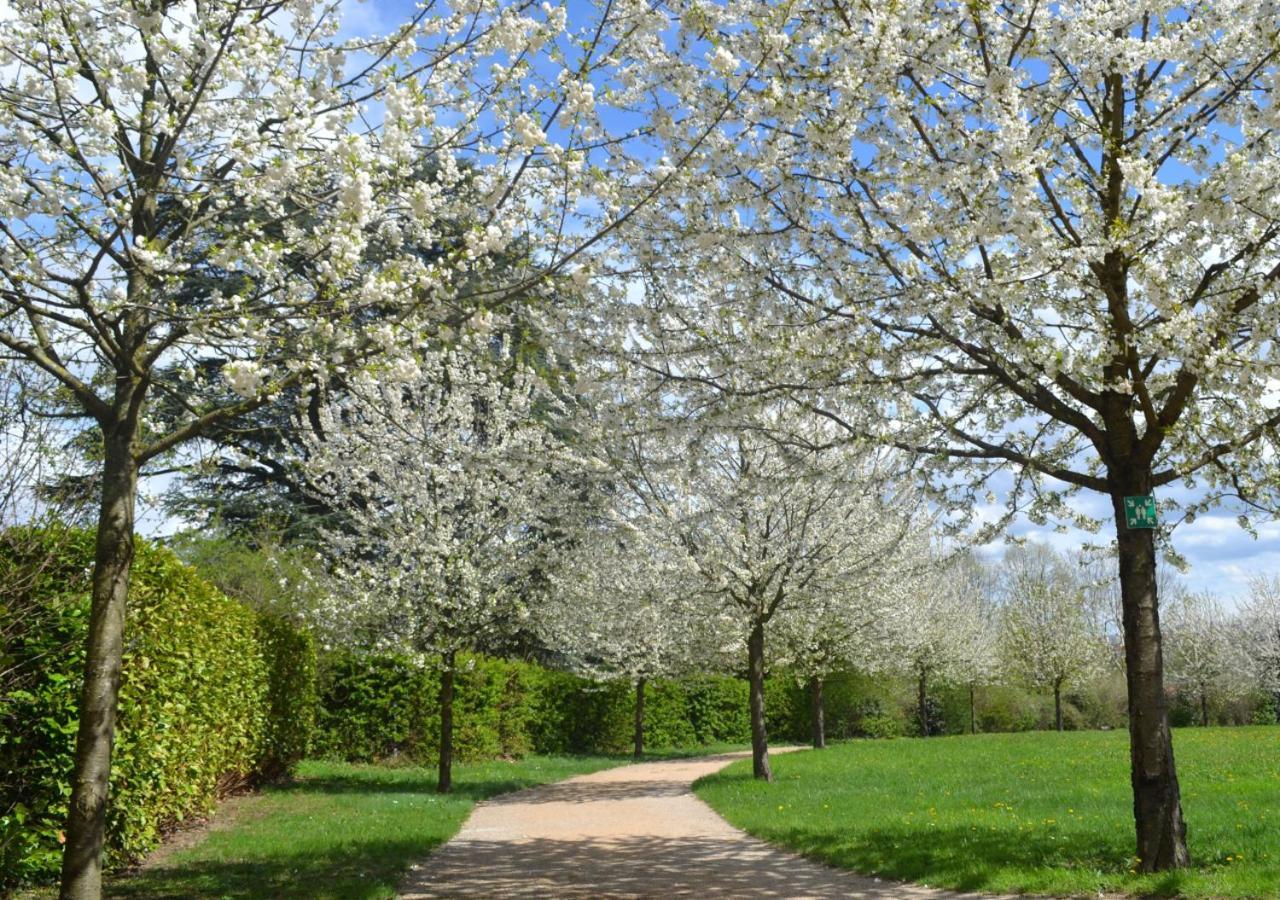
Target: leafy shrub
(377,707)
(371,706)
(198,714)
(884,725)
(1005,708)
(1264,709)
(290,653)
(553,722)
(666,714)
(850,699)
(718,709)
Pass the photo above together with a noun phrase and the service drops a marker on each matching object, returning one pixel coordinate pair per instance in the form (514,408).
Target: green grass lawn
(1040,813)
(339,830)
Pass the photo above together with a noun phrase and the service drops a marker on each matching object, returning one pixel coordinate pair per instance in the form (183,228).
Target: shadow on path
(634,868)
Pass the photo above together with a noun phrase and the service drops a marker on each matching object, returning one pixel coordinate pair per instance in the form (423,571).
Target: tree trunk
(1204,707)
(922,702)
(113,559)
(973,709)
(1157,802)
(819,714)
(444,783)
(759,735)
(639,722)
(1057,704)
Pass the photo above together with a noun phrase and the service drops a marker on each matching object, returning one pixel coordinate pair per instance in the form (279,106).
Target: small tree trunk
(922,702)
(759,734)
(113,560)
(973,709)
(639,719)
(1204,707)
(819,714)
(444,783)
(1157,803)
(1057,704)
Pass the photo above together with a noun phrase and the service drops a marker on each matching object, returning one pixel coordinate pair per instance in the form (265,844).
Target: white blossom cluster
(444,482)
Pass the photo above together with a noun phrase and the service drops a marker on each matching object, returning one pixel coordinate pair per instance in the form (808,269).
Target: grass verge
(1038,813)
(337,831)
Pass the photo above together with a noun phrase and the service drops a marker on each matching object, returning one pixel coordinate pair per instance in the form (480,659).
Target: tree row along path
(630,832)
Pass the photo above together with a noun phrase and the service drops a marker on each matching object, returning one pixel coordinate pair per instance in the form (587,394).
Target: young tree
(941,630)
(443,471)
(771,516)
(1051,231)
(975,652)
(1047,638)
(822,638)
(842,627)
(1205,654)
(1260,623)
(30,522)
(620,605)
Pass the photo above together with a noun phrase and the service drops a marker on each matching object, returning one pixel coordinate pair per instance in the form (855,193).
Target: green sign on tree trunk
(1140,512)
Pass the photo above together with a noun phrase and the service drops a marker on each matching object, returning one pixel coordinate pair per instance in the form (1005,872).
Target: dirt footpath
(630,832)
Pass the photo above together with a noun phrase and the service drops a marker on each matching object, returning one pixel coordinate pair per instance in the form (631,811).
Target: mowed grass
(337,831)
(1038,813)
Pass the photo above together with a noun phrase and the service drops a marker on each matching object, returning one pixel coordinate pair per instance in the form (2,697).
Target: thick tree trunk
(444,782)
(1157,803)
(639,720)
(973,709)
(755,674)
(113,559)
(922,702)
(819,714)
(1057,704)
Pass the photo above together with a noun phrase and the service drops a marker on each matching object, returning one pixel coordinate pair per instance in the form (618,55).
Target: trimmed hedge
(382,707)
(213,694)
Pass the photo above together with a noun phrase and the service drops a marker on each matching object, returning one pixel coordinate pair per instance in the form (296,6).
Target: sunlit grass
(338,831)
(1040,813)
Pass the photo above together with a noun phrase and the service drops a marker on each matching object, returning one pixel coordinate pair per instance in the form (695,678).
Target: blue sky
(1221,555)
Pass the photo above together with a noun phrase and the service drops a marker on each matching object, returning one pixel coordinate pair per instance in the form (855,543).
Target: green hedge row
(383,707)
(213,694)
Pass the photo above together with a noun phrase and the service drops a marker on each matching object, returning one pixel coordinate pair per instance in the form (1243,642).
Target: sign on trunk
(1140,512)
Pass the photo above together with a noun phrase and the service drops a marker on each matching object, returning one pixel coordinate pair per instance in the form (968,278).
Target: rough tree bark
(113,560)
(755,673)
(444,783)
(1057,704)
(922,702)
(639,719)
(819,714)
(1157,803)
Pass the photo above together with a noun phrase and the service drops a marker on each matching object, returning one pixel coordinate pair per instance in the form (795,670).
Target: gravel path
(630,832)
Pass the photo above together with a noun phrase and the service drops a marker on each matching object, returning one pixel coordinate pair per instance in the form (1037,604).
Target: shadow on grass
(356,869)
(968,859)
